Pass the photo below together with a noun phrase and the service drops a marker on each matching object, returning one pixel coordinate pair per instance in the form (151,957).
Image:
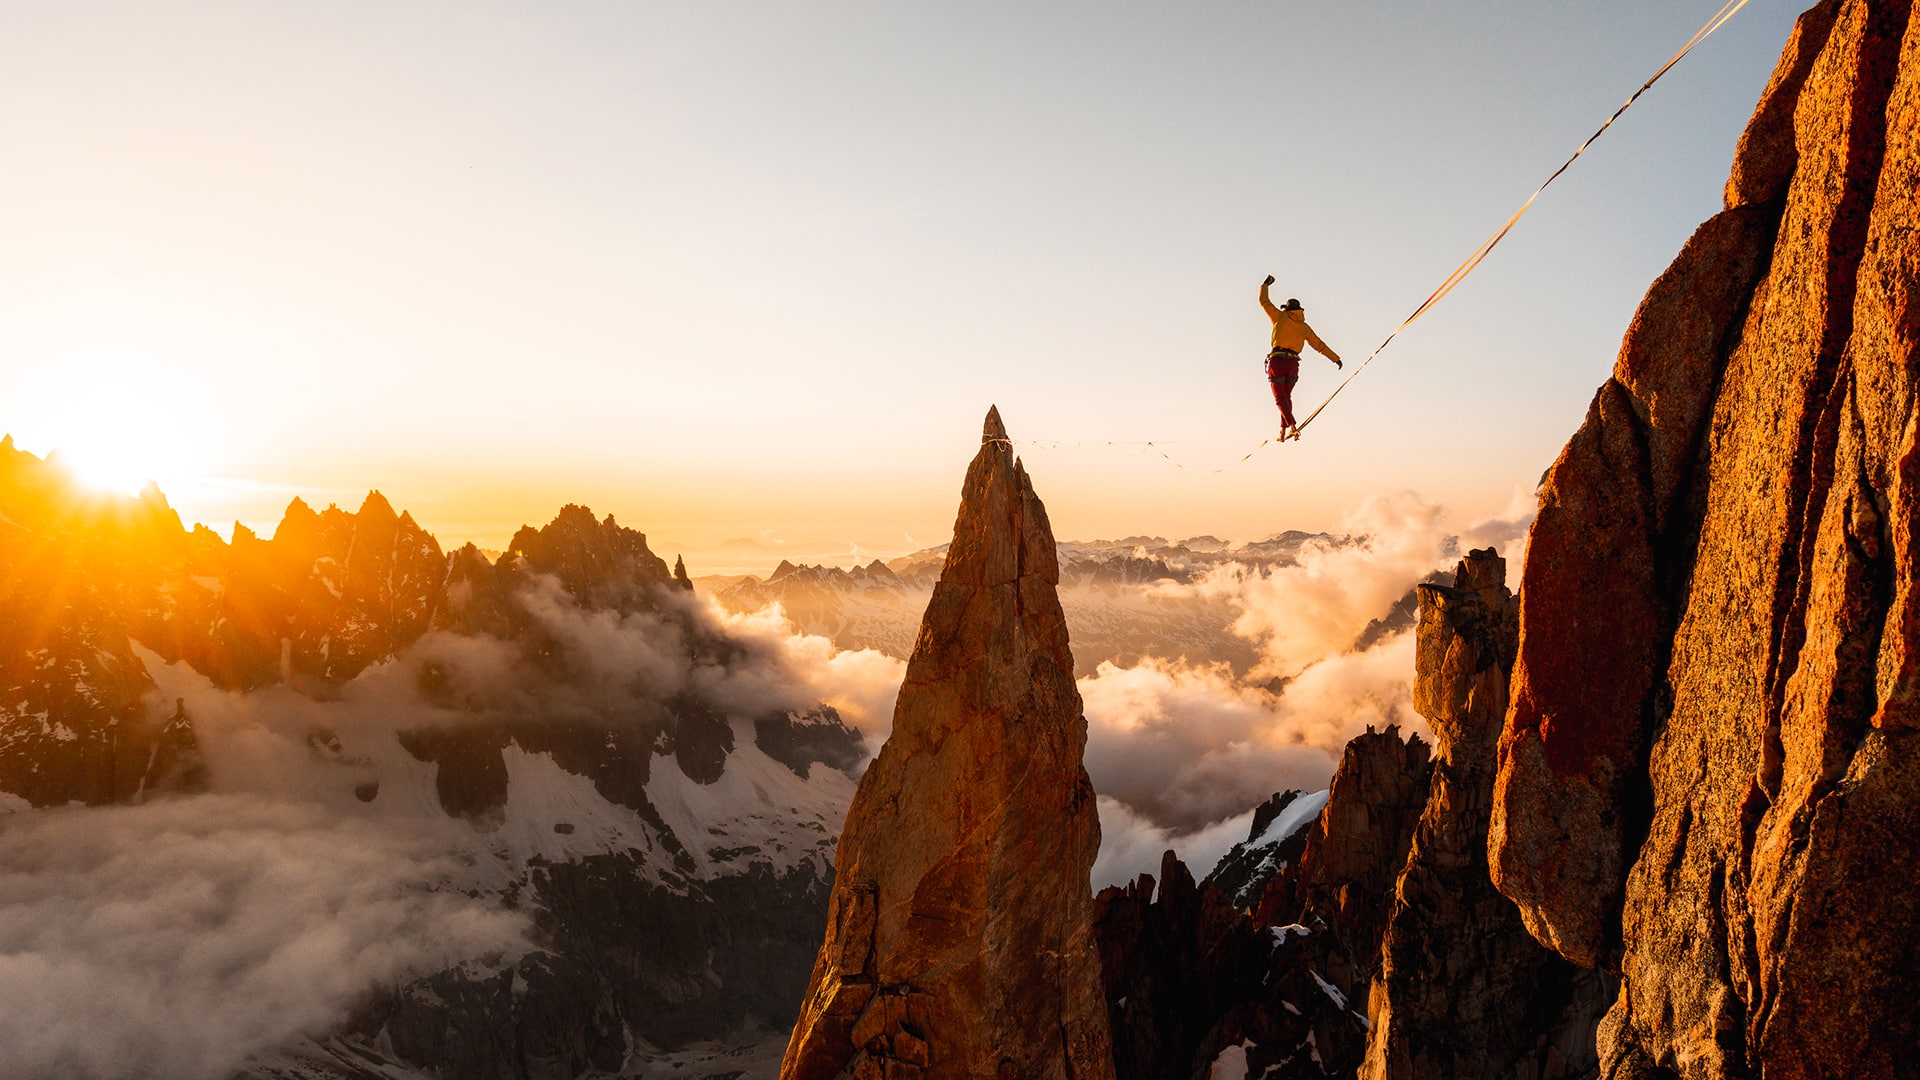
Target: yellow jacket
(1290,329)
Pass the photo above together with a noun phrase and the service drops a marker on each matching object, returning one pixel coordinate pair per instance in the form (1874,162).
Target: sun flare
(116,439)
(112,469)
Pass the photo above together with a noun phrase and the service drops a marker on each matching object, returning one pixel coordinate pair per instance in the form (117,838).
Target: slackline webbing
(1719,19)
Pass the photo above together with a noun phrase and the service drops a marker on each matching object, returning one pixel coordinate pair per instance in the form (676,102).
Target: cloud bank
(175,939)
(1182,752)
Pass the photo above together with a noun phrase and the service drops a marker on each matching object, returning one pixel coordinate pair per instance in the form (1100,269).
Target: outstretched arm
(1266,302)
(1314,340)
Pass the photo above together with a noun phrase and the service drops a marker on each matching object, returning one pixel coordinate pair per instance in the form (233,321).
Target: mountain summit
(959,940)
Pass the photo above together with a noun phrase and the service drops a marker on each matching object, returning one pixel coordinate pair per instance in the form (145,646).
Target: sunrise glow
(116,430)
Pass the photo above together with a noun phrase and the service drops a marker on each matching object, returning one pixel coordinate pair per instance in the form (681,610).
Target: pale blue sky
(735,269)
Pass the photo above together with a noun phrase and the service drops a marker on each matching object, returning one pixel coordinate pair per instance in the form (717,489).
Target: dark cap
(1293,305)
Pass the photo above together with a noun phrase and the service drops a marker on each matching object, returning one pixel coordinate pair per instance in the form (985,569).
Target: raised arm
(1314,340)
(1266,302)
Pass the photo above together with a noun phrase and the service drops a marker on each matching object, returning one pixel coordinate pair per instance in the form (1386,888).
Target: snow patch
(749,1057)
(1282,933)
(1327,988)
(757,812)
(1230,1063)
(559,816)
(1299,813)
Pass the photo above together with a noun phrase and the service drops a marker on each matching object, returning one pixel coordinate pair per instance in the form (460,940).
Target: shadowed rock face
(1463,990)
(1194,985)
(959,940)
(1357,846)
(1710,773)
(1196,981)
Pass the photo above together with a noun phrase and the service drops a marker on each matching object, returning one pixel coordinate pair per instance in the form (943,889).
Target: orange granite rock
(959,939)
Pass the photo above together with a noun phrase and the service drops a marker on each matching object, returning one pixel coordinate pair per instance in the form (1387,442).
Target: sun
(120,468)
(117,438)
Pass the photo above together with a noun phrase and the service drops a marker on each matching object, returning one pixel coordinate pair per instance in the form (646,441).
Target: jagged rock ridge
(1386,907)
(1194,984)
(1200,977)
(673,859)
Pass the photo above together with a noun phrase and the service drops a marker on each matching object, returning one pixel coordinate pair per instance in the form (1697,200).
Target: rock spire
(1463,990)
(959,940)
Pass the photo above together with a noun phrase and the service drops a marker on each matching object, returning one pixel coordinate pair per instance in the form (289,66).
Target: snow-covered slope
(1275,841)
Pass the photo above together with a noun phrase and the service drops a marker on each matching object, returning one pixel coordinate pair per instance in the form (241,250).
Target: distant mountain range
(1115,593)
(565,720)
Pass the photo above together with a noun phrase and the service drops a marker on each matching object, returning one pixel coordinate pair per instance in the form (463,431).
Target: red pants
(1283,370)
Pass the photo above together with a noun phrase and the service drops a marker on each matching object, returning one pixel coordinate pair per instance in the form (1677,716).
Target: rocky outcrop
(1198,980)
(798,740)
(1194,984)
(1463,989)
(1710,774)
(1271,848)
(599,563)
(959,938)
(1356,847)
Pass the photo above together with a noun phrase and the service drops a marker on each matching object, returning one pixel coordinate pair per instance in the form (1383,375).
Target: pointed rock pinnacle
(995,431)
(959,936)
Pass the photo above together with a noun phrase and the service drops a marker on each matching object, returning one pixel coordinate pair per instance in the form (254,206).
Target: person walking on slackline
(1290,332)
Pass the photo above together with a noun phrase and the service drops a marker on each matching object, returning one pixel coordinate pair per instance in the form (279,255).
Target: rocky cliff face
(1710,774)
(1356,847)
(1263,969)
(1463,990)
(960,939)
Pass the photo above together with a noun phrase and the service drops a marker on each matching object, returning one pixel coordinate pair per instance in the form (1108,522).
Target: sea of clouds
(180,937)
(1181,752)
(176,938)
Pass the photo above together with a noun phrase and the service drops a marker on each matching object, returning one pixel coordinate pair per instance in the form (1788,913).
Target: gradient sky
(758,269)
